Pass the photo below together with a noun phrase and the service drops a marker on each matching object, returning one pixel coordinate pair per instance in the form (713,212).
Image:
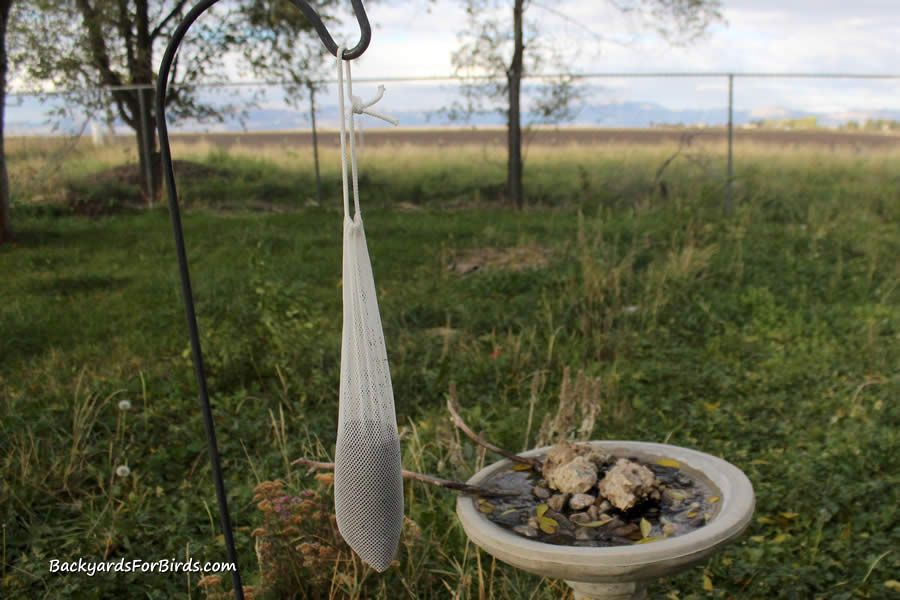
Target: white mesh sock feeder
(175,214)
(368,481)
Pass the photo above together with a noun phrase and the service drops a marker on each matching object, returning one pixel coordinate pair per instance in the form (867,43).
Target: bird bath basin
(620,572)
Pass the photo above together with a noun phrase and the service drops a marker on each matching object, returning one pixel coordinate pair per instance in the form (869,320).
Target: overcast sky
(811,36)
(781,36)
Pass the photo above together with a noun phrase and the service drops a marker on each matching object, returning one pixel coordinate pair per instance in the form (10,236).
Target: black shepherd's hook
(169,176)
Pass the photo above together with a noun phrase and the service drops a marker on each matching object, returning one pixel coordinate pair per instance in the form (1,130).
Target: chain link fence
(829,108)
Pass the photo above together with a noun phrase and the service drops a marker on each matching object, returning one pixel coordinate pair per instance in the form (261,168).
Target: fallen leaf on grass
(707,583)
(326,478)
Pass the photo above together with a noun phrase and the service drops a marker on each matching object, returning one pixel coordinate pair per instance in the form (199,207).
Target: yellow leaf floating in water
(714,499)
(508,511)
(668,462)
(649,540)
(521,467)
(645,528)
(602,521)
(676,494)
(541,509)
(485,507)
(547,524)
(692,514)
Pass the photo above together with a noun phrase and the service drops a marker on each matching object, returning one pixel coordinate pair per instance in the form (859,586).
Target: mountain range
(618,114)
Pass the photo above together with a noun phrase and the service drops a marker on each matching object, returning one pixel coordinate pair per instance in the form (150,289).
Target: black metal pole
(187,294)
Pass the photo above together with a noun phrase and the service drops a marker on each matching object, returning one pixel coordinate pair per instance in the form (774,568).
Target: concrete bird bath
(621,572)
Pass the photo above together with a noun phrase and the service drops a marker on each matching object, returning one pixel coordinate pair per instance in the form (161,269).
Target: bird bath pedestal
(621,572)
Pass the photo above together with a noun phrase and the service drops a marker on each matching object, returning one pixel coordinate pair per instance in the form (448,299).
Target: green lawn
(770,337)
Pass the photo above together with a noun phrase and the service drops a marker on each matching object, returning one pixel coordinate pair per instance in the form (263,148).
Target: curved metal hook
(365,30)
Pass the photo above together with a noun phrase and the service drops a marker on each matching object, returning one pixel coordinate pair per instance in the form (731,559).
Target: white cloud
(410,40)
(417,40)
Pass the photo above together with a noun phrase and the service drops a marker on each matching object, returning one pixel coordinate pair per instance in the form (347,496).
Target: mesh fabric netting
(368,482)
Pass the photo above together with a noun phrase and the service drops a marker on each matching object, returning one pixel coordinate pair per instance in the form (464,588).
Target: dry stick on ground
(658,182)
(447,483)
(457,420)
(444,483)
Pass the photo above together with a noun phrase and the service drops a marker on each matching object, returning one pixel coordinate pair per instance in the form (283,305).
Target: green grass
(770,337)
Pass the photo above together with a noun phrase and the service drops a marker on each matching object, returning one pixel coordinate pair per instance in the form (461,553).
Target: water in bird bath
(666,503)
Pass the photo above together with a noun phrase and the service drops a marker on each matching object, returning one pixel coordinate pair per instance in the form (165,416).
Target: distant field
(454,167)
(552,137)
(543,137)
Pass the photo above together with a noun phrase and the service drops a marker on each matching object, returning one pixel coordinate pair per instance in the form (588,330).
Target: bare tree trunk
(151,176)
(136,110)
(5,223)
(514,125)
(142,72)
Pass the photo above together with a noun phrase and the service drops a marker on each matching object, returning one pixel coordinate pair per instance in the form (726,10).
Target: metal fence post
(315,141)
(729,200)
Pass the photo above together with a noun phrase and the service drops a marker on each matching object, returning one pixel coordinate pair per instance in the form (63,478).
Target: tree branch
(685,140)
(457,420)
(97,44)
(124,24)
(176,12)
(465,488)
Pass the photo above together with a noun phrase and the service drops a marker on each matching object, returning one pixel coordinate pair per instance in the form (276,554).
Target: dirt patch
(496,137)
(519,258)
(130,174)
(117,190)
